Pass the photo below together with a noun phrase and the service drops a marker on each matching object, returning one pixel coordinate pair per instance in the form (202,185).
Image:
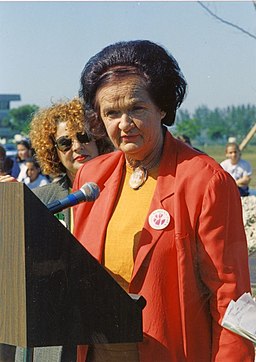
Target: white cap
(232,140)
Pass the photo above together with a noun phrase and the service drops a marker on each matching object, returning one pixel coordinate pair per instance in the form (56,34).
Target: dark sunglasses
(64,143)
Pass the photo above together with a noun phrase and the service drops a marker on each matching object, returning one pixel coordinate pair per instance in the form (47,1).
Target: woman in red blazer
(169,220)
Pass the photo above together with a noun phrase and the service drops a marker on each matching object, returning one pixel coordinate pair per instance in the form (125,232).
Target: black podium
(53,292)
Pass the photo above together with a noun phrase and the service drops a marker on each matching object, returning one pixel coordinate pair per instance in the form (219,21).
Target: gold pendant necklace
(138,177)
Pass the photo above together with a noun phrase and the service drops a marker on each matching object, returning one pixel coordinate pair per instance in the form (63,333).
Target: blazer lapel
(95,229)
(161,200)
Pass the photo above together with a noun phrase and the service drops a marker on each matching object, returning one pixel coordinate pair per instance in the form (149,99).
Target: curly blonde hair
(43,128)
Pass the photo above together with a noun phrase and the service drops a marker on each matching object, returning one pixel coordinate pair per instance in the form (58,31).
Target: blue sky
(44,46)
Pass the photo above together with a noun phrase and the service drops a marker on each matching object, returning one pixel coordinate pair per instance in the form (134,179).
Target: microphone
(88,192)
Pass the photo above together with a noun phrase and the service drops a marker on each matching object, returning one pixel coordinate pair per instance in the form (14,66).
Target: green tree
(189,127)
(19,118)
(217,128)
(220,124)
(241,119)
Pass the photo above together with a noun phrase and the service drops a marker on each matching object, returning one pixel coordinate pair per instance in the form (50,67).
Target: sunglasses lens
(64,143)
(83,137)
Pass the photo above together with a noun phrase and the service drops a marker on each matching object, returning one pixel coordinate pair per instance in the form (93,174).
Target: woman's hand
(7,178)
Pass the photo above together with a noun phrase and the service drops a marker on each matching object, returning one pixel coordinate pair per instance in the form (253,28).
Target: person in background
(6,163)
(23,152)
(166,232)
(239,169)
(186,139)
(34,176)
(61,146)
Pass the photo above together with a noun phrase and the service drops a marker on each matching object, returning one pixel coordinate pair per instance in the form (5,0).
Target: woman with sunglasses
(61,147)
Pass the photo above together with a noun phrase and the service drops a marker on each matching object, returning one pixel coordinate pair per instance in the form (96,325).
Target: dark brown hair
(164,81)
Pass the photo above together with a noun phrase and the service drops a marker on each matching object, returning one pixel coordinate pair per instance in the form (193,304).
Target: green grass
(218,153)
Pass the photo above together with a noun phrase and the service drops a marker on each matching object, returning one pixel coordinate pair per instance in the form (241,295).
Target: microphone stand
(28,354)
(24,354)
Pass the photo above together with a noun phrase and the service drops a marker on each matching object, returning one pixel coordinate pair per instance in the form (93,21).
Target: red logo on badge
(159,219)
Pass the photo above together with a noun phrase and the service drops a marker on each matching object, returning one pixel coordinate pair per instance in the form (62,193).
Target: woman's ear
(163,114)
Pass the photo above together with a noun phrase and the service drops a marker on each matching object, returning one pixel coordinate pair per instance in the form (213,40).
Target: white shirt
(41,180)
(23,171)
(242,168)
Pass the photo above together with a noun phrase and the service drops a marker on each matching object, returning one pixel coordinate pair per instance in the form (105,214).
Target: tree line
(217,125)
(202,126)
(18,119)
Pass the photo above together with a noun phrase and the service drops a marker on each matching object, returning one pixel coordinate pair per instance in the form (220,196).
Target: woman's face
(32,171)
(132,120)
(23,152)
(77,155)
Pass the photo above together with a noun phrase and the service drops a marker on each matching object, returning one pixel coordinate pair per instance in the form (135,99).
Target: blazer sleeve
(223,263)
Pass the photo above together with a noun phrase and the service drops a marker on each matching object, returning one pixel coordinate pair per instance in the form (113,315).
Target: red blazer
(188,272)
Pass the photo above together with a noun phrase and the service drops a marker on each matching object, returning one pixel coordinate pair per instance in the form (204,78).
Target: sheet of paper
(240,317)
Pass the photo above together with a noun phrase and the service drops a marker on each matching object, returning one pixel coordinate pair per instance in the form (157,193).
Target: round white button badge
(159,219)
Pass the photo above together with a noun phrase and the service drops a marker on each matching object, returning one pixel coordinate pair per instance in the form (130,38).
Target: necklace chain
(140,172)
(141,168)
